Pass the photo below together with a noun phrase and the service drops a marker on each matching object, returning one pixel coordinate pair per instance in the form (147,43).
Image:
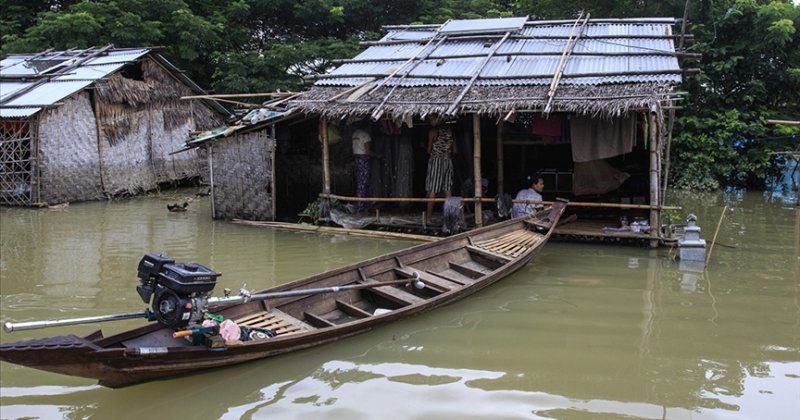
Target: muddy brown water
(584,331)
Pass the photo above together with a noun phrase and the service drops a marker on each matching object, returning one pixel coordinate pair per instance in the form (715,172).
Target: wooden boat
(356,299)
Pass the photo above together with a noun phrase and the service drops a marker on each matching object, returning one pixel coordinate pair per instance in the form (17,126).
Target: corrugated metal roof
(18,112)
(609,51)
(47,94)
(482,25)
(44,79)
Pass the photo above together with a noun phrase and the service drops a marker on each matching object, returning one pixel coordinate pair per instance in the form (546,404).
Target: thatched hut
(82,125)
(585,102)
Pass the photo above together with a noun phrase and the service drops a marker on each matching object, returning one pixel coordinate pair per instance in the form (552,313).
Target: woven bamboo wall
(142,122)
(243,177)
(68,159)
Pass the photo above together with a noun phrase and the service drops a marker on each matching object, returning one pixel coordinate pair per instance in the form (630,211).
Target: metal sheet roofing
(482,25)
(608,51)
(30,82)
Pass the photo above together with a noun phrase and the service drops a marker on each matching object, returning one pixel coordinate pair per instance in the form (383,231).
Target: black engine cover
(170,308)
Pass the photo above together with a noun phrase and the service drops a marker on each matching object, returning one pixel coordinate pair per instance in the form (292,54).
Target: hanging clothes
(595,138)
(596,177)
(549,129)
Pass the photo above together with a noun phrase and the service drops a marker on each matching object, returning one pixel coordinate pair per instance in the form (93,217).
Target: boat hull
(451,269)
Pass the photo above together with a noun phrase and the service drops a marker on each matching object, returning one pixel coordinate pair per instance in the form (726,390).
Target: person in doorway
(441,147)
(533,193)
(361,154)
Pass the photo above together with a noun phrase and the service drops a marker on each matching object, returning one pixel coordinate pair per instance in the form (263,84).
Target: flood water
(584,331)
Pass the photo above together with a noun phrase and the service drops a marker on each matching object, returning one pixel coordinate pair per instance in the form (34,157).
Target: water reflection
(584,331)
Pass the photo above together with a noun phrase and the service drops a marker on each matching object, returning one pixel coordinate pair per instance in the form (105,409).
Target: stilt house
(586,103)
(81,125)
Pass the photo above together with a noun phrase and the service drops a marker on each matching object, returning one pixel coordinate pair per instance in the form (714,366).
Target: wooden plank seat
(436,283)
(453,275)
(275,320)
(393,293)
(511,244)
(470,269)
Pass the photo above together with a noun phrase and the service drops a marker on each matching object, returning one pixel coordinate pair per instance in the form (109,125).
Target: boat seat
(393,293)
(512,244)
(453,276)
(470,269)
(436,283)
(276,320)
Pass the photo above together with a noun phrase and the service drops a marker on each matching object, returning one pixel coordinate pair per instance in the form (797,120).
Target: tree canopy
(750,66)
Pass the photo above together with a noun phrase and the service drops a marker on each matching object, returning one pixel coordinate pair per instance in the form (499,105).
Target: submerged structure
(584,103)
(82,125)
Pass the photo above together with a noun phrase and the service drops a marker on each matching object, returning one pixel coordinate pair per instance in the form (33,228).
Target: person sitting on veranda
(534,193)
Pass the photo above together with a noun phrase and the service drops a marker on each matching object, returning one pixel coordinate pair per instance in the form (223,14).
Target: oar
(243,297)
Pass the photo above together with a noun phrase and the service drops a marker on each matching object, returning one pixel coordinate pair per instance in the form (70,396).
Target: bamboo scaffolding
(492,200)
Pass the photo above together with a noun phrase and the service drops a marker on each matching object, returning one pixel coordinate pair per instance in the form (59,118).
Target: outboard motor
(179,291)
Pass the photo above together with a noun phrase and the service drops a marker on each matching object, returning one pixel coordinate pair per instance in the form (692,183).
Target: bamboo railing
(492,200)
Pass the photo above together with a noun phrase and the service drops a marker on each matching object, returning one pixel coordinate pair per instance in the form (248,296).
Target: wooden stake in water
(721,216)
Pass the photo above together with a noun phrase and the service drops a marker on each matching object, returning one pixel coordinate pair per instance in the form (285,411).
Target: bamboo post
(476,164)
(274,170)
(500,167)
(654,178)
(326,169)
(211,179)
(99,129)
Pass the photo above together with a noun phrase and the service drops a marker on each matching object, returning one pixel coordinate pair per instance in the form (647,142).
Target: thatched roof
(494,66)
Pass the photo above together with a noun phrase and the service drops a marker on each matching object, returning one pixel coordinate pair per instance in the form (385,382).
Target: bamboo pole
(526,54)
(570,45)
(511,77)
(476,168)
(211,176)
(500,165)
(452,109)
(238,95)
(274,170)
(326,168)
(492,200)
(654,178)
(99,129)
(536,38)
(721,216)
(335,230)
